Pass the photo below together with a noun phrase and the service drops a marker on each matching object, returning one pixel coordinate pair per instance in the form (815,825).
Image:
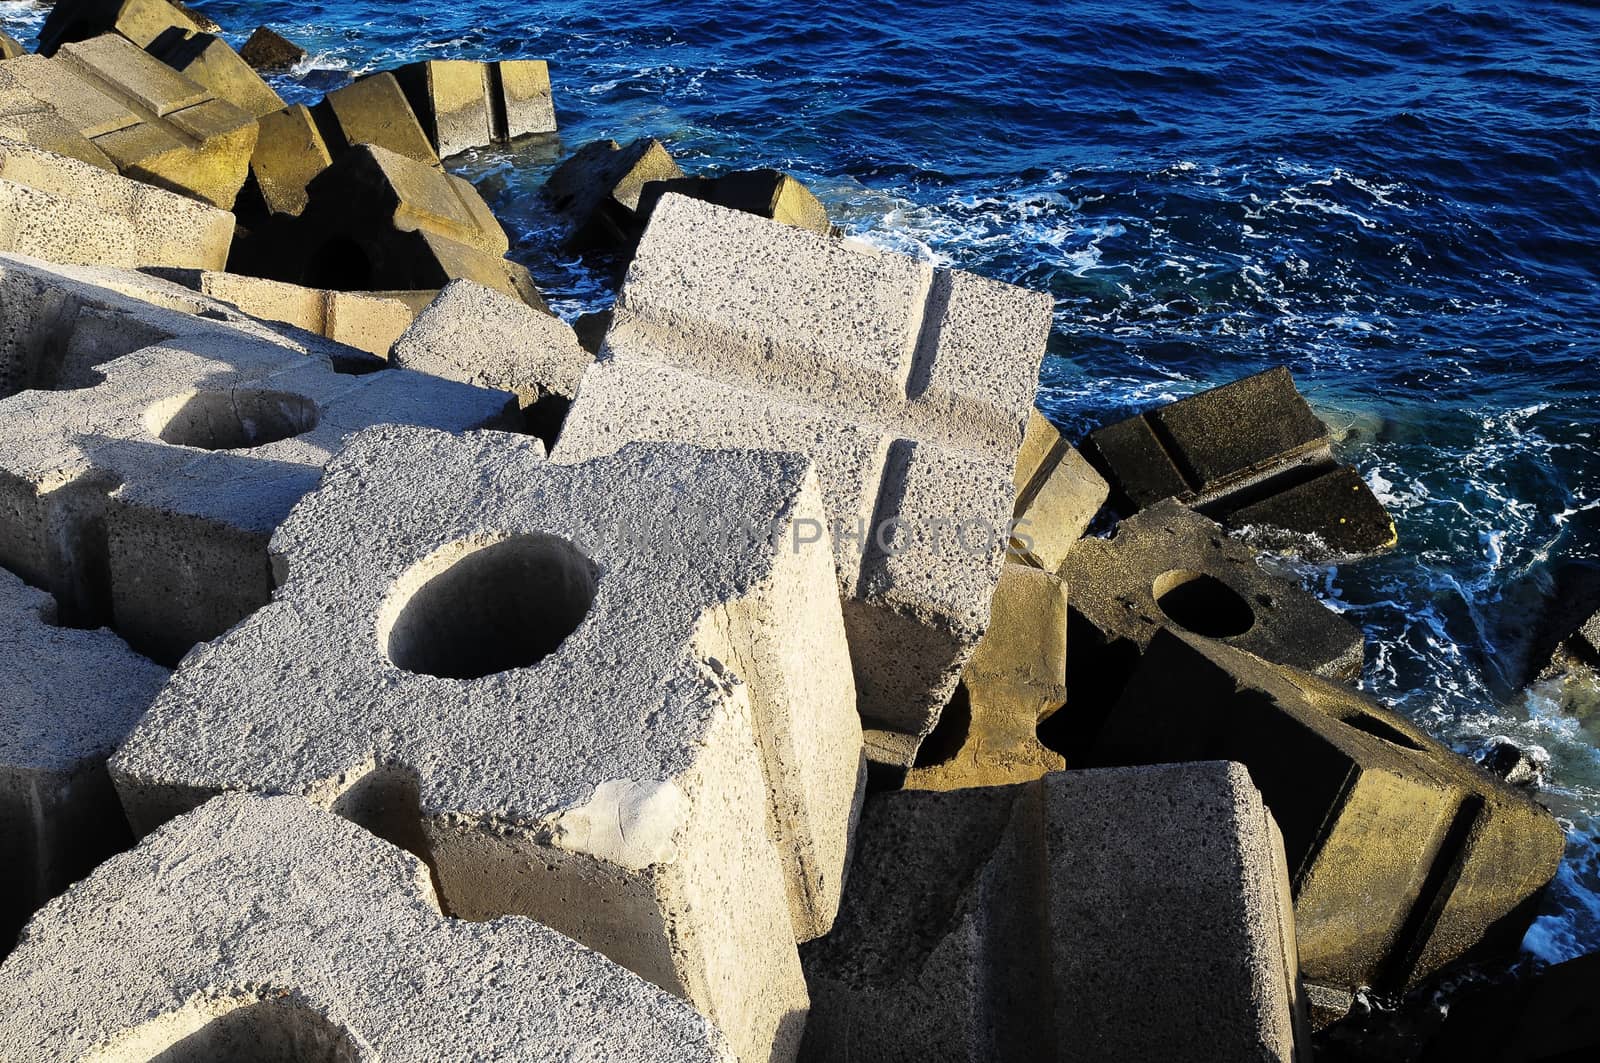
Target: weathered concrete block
(268,50)
(464,105)
(988,734)
(766,193)
(1058,496)
(28,120)
(597,191)
(207,60)
(70,698)
(479,336)
(154,123)
(10,47)
(1404,856)
(140,21)
(909,387)
(288,154)
(262,928)
(373,110)
(1250,454)
(1136,914)
(142,491)
(68,211)
(582,682)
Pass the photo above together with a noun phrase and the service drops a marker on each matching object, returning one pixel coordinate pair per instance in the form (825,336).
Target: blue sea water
(1398,199)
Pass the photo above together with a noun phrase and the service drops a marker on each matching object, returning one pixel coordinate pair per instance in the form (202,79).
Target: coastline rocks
(266,50)
(463,105)
(262,928)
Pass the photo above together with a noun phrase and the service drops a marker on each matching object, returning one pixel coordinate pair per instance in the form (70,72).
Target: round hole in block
(232,419)
(481,607)
(1202,604)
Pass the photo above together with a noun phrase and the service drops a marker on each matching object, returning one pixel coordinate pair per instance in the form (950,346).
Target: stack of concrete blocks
(764,193)
(598,190)
(155,124)
(908,386)
(156,451)
(1252,455)
(140,21)
(1404,856)
(612,696)
(463,105)
(262,928)
(1135,914)
(65,210)
(373,110)
(207,60)
(71,697)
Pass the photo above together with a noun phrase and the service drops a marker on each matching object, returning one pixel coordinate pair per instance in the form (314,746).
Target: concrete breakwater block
(68,211)
(140,21)
(140,487)
(1058,495)
(1016,678)
(1168,567)
(463,104)
(25,119)
(1249,454)
(908,386)
(262,928)
(765,193)
(70,697)
(614,697)
(154,123)
(289,152)
(1403,855)
(597,191)
(1135,914)
(269,50)
(373,110)
(208,61)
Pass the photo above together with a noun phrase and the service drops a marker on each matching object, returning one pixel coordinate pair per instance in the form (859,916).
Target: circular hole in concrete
(478,608)
(1202,604)
(235,419)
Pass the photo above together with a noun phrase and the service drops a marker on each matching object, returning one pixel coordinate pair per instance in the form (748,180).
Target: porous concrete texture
(479,336)
(1058,495)
(263,928)
(1169,568)
(766,193)
(206,59)
(289,152)
(70,697)
(154,123)
(268,49)
(615,697)
(141,21)
(143,475)
(909,387)
(464,105)
(69,211)
(373,110)
(25,119)
(1403,855)
(10,47)
(988,734)
(597,191)
(1136,914)
(1250,454)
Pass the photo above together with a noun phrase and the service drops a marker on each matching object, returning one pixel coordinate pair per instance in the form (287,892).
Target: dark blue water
(1399,200)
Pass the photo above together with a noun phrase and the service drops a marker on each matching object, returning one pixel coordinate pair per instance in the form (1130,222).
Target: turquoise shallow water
(1399,200)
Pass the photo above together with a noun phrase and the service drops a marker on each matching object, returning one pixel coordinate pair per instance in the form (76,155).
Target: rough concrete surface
(1134,914)
(1058,495)
(141,21)
(586,693)
(463,104)
(69,698)
(262,928)
(909,387)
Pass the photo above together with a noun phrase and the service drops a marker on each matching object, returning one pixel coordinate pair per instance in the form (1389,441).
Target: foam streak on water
(1396,199)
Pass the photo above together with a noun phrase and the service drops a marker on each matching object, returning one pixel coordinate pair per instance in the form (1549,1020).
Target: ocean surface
(1398,200)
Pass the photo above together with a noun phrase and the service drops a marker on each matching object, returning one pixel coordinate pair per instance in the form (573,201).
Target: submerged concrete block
(909,387)
(373,110)
(68,211)
(464,105)
(269,50)
(1058,496)
(988,734)
(614,697)
(207,60)
(597,191)
(140,21)
(154,123)
(70,698)
(765,193)
(142,487)
(1404,856)
(1137,914)
(1250,454)
(262,928)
